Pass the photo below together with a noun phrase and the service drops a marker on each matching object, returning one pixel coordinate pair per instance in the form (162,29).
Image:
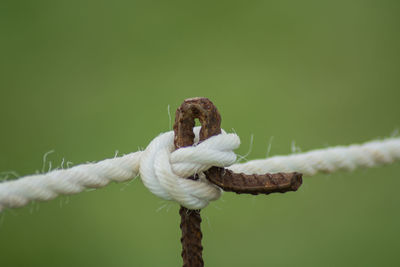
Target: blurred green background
(87,78)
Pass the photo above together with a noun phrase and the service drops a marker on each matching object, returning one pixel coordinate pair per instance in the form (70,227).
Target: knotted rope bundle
(162,168)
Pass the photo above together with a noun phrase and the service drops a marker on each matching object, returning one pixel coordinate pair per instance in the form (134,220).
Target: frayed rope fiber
(163,169)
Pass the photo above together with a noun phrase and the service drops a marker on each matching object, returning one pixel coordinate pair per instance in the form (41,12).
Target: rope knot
(164,170)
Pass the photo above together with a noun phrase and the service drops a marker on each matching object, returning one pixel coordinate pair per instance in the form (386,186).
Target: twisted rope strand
(328,160)
(161,169)
(43,187)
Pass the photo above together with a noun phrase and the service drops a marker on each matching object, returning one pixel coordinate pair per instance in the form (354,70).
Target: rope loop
(164,170)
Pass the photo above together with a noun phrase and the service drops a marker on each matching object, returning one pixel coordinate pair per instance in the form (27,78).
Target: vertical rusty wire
(205,111)
(208,115)
(192,249)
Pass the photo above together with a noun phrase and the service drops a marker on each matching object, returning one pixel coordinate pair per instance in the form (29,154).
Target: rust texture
(254,184)
(195,108)
(210,120)
(191,237)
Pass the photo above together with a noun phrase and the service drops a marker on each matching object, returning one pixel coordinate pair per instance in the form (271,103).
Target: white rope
(328,160)
(163,169)
(42,187)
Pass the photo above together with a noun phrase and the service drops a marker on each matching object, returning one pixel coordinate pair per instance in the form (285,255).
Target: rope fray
(162,168)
